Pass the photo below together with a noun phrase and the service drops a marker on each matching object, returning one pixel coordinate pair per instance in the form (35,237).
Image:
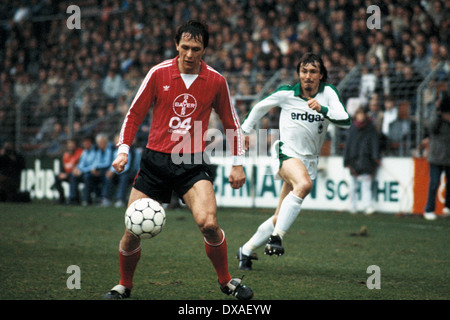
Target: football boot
(236,288)
(273,246)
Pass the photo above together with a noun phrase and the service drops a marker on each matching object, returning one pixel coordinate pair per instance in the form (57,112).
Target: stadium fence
(48,113)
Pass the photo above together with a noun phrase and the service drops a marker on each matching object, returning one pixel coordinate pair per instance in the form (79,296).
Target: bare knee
(210,229)
(129,242)
(210,232)
(303,188)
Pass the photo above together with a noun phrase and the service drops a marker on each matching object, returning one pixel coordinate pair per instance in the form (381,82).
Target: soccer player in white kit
(307,108)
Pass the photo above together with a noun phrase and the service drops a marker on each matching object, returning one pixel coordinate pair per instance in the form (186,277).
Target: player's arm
(230,122)
(275,99)
(335,111)
(258,111)
(133,119)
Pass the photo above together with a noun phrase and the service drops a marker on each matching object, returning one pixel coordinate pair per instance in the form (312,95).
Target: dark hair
(312,58)
(197,29)
(361,109)
(88,137)
(72,139)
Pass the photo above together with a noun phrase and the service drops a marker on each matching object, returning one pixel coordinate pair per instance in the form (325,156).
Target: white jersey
(302,130)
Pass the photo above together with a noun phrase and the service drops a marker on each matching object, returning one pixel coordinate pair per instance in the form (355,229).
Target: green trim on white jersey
(302,130)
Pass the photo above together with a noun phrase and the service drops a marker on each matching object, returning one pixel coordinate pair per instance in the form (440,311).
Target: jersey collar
(298,89)
(176,73)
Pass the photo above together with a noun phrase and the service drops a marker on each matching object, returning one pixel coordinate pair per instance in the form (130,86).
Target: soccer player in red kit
(182,92)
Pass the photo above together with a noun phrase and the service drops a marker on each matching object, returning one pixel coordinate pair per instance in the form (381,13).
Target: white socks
(259,238)
(289,210)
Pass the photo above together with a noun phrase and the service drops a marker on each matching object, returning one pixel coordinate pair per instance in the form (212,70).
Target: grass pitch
(326,256)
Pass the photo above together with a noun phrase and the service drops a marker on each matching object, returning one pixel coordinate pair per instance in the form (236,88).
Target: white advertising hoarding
(392,187)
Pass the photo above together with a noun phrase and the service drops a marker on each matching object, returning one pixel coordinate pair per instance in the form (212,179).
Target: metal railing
(27,143)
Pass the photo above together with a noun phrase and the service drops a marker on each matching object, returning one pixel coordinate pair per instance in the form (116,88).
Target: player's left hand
(314,104)
(237,177)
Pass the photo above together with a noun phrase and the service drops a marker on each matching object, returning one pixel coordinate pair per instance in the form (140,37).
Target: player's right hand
(120,162)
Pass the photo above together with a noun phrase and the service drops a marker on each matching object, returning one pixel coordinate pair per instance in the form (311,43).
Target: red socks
(128,262)
(217,253)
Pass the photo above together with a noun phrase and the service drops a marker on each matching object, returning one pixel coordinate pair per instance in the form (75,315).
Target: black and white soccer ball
(145,218)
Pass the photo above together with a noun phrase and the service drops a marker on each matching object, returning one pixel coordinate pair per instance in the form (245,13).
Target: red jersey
(181,114)
(70,161)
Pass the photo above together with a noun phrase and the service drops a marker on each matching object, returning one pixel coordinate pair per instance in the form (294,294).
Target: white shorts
(280,152)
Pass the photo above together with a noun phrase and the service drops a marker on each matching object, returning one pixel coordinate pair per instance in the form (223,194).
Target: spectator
(82,169)
(7,129)
(439,155)
(368,83)
(113,85)
(375,114)
(11,166)
(406,88)
(390,114)
(421,61)
(436,11)
(95,179)
(70,159)
(22,13)
(408,53)
(29,46)
(392,56)
(54,145)
(361,157)
(120,180)
(383,82)
(430,95)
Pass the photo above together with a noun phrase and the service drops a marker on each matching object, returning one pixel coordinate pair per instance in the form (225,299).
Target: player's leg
(129,255)
(262,234)
(294,173)
(201,201)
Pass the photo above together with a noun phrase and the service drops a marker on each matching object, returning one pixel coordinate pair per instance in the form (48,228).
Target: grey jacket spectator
(439,152)
(439,156)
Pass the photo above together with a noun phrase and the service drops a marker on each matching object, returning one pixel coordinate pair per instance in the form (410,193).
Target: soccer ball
(145,218)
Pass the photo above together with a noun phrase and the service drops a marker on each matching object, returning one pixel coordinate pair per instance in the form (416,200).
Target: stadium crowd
(251,40)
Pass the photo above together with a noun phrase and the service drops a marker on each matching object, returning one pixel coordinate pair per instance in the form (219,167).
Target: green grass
(38,241)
